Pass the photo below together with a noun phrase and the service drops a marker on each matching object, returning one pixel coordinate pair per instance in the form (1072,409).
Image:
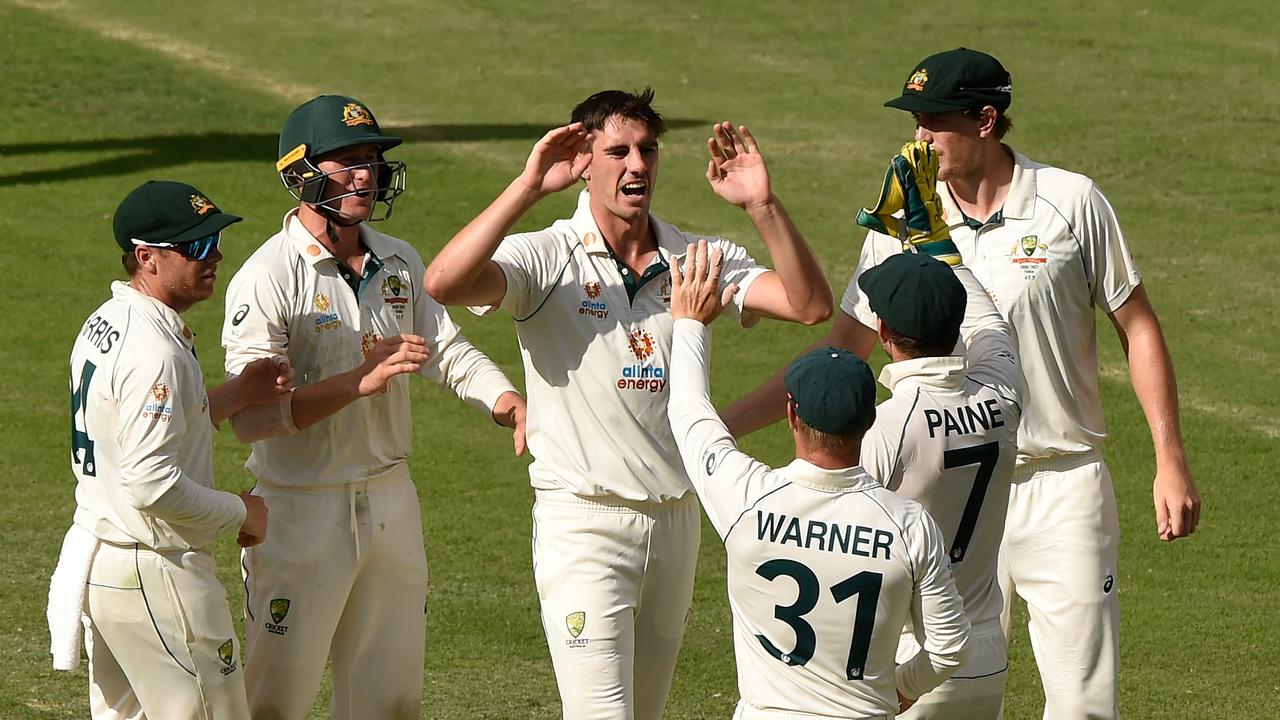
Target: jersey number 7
(866,585)
(985,457)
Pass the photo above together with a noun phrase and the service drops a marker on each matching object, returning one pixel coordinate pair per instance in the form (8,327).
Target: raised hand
(736,170)
(695,287)
(391,356)
(558,159)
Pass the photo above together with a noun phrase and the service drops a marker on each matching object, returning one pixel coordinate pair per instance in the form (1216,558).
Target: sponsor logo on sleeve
(157,407)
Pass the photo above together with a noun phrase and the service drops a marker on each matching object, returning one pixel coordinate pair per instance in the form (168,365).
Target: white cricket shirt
(597,363)
(140,424)
(947,439)
(290,299)
(1049,258)
(825,568)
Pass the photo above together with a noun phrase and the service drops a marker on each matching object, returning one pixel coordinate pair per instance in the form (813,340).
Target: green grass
(1170,106)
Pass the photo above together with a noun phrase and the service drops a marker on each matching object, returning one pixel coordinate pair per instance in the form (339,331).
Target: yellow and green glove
(910,185)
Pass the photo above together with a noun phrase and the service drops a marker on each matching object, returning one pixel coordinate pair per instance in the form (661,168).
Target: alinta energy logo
(643,375)
(325,320)
(157,406)
(591,306)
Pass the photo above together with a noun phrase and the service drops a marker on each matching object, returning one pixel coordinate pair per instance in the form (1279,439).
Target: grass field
(1170,106)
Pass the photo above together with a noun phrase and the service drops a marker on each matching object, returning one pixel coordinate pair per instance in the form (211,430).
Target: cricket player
(616,524)
(1046,244)
(344,573)
(947,438)
(157,629)
(825,564)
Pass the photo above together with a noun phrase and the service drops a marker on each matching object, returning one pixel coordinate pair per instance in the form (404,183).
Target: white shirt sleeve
(875,249)
(739,267)
(256,324)
(727,480)
(1111,266)
(991,348)
(532,264)
(456,363)
(936,608)
(879,454)
(151,423)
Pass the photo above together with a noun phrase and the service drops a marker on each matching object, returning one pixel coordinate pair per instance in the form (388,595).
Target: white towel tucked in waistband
(66,597)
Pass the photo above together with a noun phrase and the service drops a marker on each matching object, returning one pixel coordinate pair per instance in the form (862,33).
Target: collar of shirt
(148,305)
(806,473)
(1018,204)
(672,244)
(314,252)
(940,374)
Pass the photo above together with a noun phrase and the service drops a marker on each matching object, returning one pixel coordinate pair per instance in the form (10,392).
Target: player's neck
(828,460)
(343,242)
(632,241)
(982,192)
(151,286)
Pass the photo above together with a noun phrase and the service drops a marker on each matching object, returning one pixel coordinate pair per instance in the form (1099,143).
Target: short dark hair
(130,262)
(914,348)
(596,110)
(831,442)
(1004,123)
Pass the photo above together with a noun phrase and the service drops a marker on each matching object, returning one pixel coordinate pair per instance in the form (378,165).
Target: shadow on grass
(153,153)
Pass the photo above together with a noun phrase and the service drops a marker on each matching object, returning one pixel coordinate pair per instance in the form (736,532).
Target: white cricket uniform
(616,528)
(825,567)
(158,632)
(1050,258)
(343,572)
(947,439)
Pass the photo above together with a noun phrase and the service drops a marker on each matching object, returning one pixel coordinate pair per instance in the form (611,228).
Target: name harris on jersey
(99,333)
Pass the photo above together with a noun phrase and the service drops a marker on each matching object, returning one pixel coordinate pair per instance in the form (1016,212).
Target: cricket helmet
(324,124)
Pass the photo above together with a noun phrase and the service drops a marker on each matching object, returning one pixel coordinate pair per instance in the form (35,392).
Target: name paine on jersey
(964,420)
(860,540)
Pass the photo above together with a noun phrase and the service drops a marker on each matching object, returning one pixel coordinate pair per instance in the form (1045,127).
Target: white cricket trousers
(342,575)
(615,579)
(159,637)
(1060,553)
(976,690)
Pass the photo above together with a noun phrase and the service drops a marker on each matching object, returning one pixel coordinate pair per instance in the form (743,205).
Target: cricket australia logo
(394,294)
(591,307)
(201,205)
(918,80)
(1034,255)
(575,622)
(643,375)
(227,654)
(354,114)
(279,608)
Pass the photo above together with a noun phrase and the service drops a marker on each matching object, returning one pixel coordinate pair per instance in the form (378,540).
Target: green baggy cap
(832,390)
(960,79)
(917,296)
(161,211)
(329,122)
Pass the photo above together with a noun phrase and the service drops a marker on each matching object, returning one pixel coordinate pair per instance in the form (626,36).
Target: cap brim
(215,223)
(919,103)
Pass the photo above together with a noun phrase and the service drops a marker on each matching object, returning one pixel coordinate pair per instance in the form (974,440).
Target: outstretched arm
(1177,501)
(796,290)
(463,272)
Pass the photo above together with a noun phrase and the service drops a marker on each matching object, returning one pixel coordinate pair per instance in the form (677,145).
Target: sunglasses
(193,250)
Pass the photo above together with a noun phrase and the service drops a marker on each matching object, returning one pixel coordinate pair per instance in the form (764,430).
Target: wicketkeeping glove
(910,185)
